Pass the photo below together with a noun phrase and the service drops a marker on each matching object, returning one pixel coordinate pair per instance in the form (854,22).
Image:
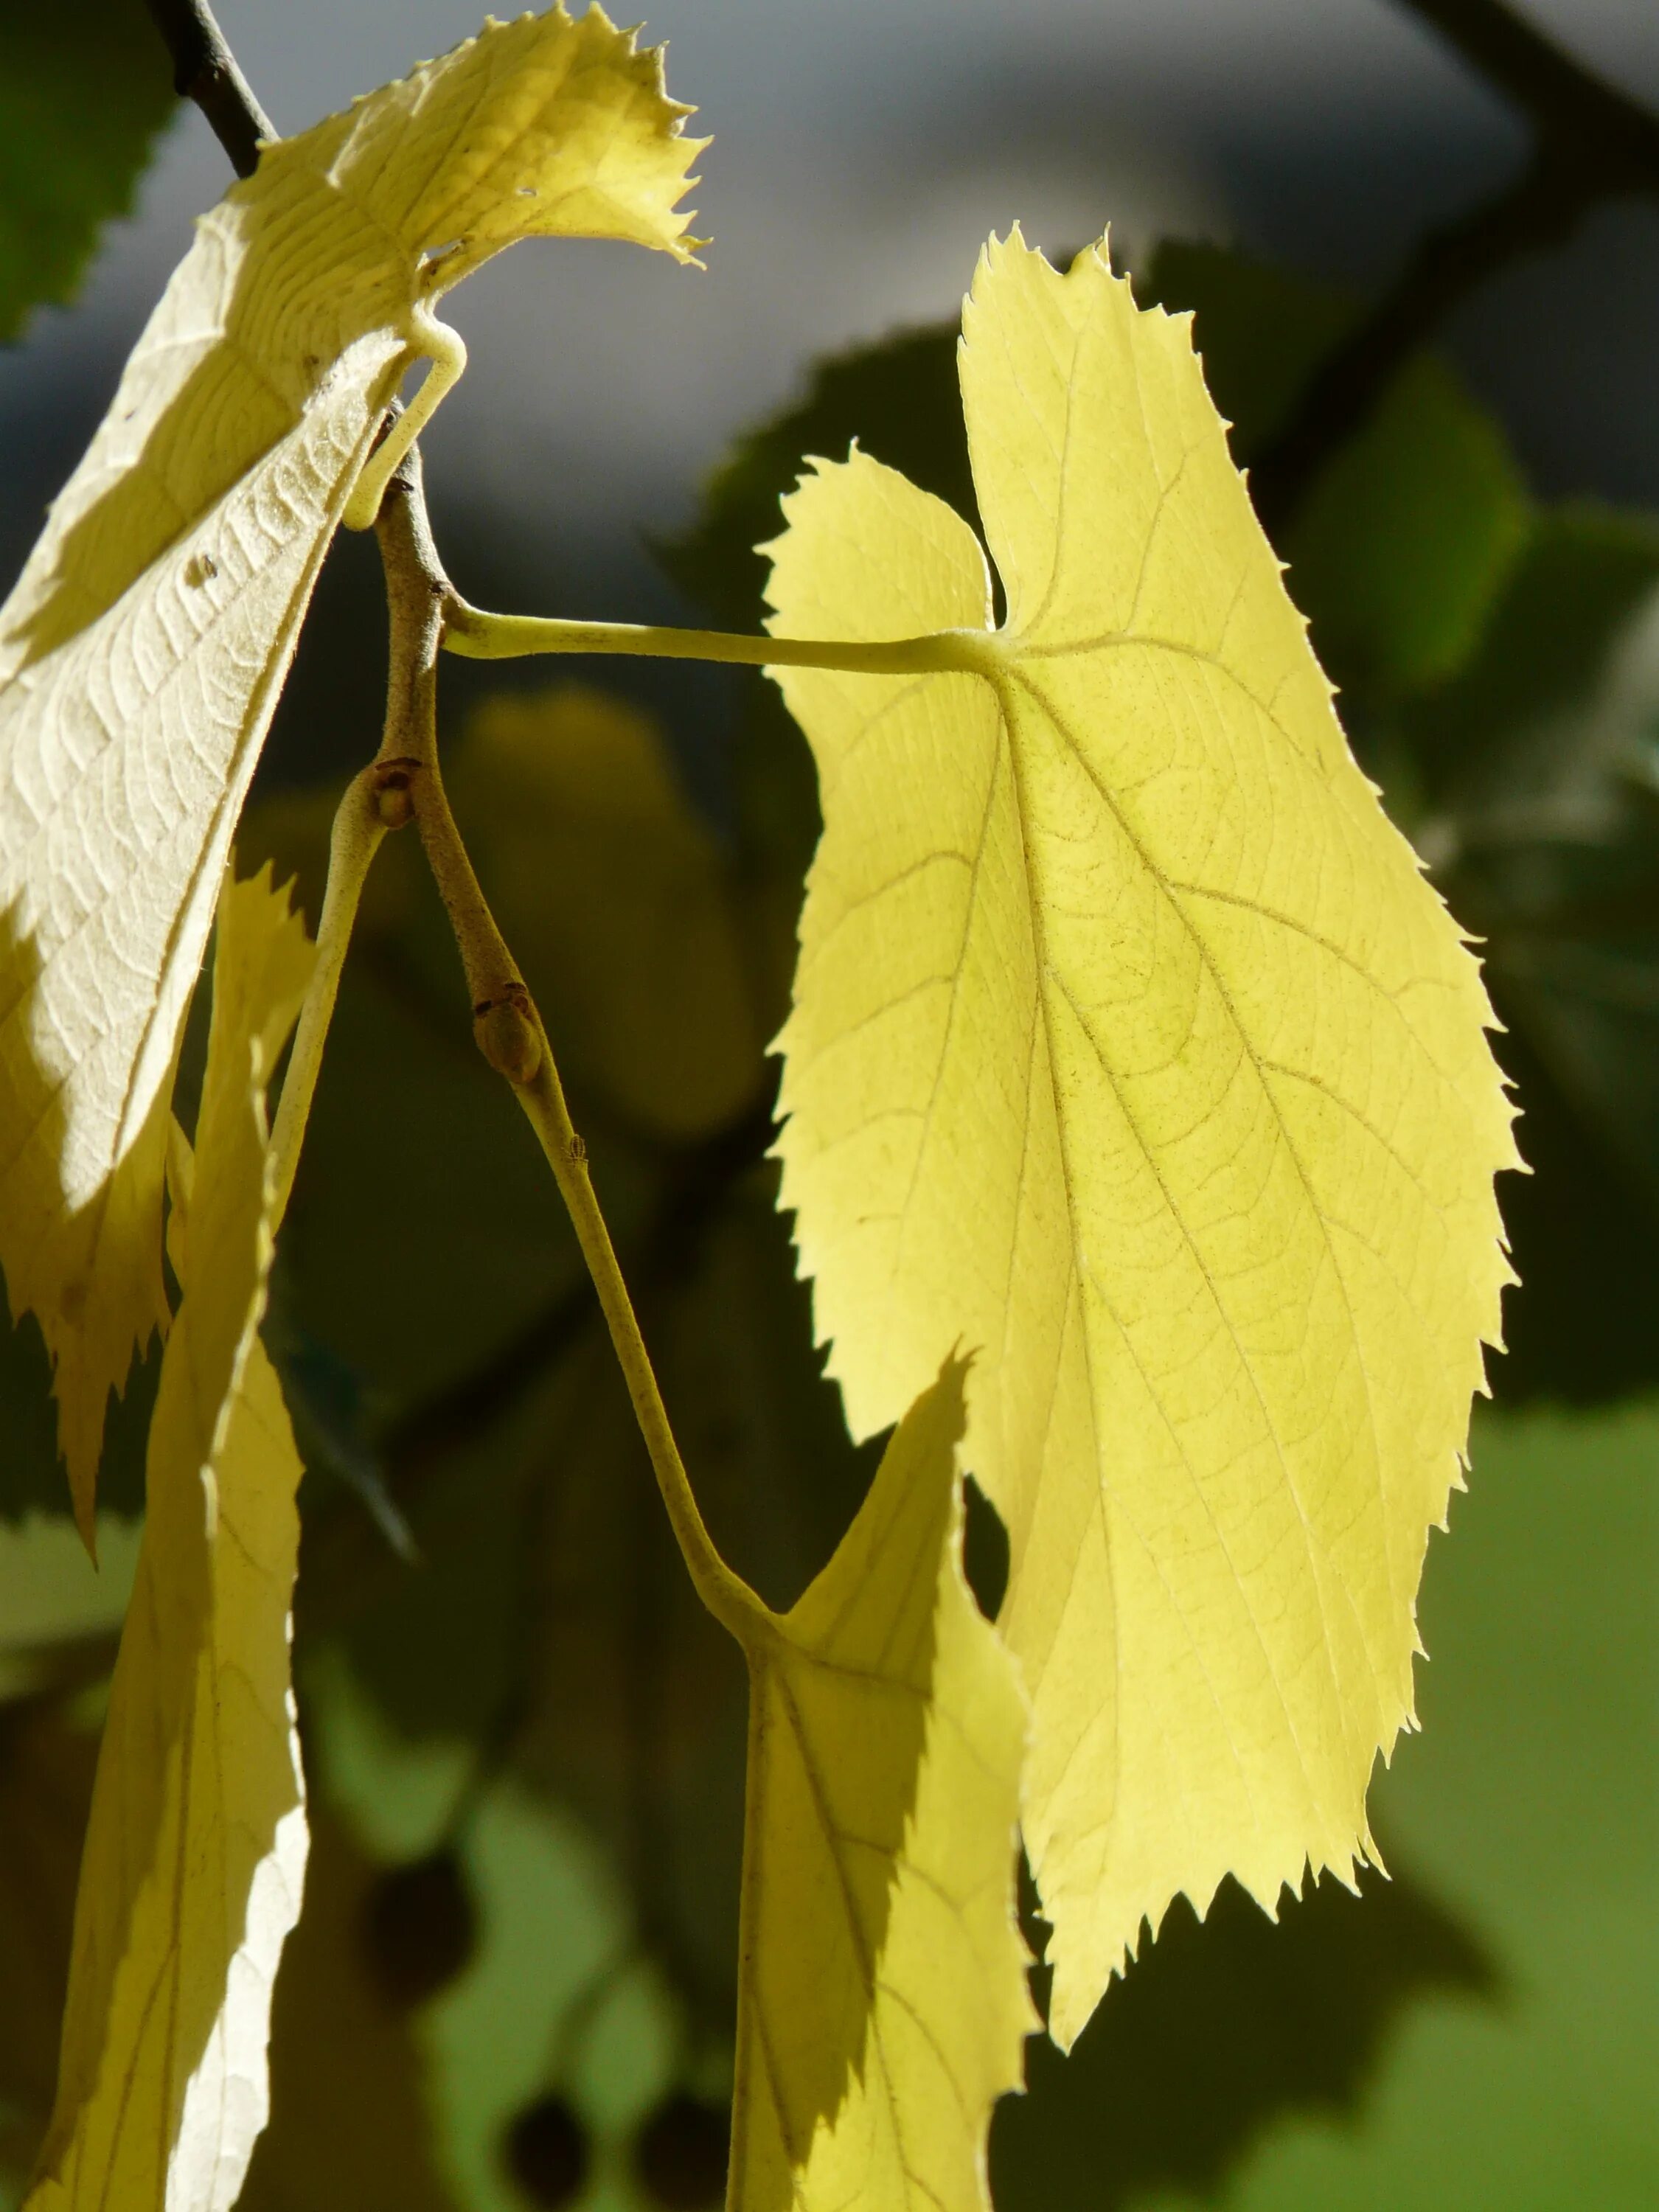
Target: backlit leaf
(1131,1048)
(143,647)
(196,1849)
(882,2006)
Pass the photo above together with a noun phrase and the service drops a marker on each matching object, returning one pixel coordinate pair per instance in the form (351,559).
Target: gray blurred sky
(862,151)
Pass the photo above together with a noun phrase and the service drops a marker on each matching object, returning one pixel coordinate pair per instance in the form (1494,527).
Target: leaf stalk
(506,1023)
(355,839)
(474,634)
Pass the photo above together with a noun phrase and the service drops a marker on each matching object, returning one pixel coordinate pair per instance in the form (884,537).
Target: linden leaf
(143,650)
(195,1852)
(1130,1045)
(882,2006)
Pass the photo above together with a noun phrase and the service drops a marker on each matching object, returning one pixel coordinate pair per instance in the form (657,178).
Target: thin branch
(505,1022)
(476,636)
(699,1181)
(1541,208)
(1561,97)
(1591,143)
(204,69)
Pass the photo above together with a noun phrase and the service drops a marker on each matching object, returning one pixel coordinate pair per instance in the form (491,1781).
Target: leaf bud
(394,800)
(505,1029)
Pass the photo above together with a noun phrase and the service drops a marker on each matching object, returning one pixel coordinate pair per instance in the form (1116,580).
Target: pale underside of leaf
(195,1851)
(144,646)
(882,2006)
(1131,1048)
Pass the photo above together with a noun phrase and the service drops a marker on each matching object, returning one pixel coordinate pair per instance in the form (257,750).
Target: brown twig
(404,782)
(504,1023)
(1562,98)
(1591,143)
(204,70)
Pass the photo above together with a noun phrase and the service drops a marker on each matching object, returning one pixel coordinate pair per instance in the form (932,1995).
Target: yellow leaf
(1130,1047)
(143,650)
(883,2006)
(617,900)
(196,1849)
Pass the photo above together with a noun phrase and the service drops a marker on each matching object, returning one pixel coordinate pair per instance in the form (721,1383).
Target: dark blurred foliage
(484,1554)
(679,2155)
(46,1766)
(547,2153)
(1219,2028)
(84,91)
(419,1928)
(350,2126)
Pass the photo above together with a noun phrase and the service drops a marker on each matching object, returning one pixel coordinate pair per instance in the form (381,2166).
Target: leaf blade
(144,645)
(1158,1134)
(882,2006)
(195,1852)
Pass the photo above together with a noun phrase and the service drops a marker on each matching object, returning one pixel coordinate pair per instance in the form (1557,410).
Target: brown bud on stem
(394,801)
(507,1035)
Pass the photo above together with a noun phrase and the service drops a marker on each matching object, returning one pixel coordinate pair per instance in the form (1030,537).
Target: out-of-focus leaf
(1401,544)
(350,2128)
(898,398)
(1510,730)
(1130,1047)
(52,1600)
(46,1765)
(145,643)
(619,906)
(547,1562)
(1221,2029)
(882,2006)
(195,1851)
(83,91)
(1537,776)
(895,398)
(1528,1805)
(1584,1326)
(425,1233)
(31,1479)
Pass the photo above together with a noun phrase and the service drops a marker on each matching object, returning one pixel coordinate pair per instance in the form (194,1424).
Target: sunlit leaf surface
(883,2006)
(1131,1048)
(195,1852)
(143,647)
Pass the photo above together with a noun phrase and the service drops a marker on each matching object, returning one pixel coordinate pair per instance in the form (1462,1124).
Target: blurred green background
(513,1984)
